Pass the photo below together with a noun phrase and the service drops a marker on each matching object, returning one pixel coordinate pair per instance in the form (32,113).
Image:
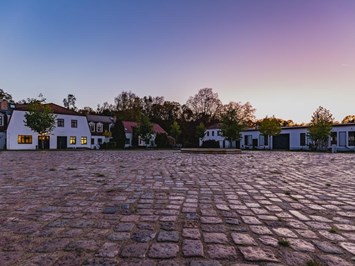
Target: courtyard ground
(168,208)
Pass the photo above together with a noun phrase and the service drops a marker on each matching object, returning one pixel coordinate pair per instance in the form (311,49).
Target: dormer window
(92,126)
(99,127)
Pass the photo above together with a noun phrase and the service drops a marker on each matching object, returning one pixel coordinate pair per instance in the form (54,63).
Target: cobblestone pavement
(168,208)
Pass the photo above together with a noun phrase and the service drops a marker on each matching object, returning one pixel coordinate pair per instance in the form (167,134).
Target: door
(342,139)
(62,142)
(281,142)
(43,142)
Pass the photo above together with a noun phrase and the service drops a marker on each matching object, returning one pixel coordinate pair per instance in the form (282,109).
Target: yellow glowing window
(24,139)
(84,140)
(72,140)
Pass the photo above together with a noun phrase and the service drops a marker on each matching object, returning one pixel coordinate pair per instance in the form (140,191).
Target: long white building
(71,131)
(290,138)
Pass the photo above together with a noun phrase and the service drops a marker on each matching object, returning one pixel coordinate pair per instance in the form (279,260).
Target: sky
(285,57)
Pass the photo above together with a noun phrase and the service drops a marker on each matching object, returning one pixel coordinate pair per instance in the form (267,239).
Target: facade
(129,126)
(71,131)
(100,128)
(290,138)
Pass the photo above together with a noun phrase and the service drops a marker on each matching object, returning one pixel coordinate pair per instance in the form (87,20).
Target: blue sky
(285,57)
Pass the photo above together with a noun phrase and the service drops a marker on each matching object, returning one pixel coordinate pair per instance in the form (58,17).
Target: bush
(210,144)
(161,140)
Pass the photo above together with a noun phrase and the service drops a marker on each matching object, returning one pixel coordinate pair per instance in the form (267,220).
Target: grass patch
(283,242)
(99,175)
(333,230)
(313,263)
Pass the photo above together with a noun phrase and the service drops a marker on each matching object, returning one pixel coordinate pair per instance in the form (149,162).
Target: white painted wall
(17,127)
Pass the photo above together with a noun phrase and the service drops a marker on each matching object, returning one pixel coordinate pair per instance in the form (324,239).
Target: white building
(129,126)
(100,128)
(290,138)
(71,131)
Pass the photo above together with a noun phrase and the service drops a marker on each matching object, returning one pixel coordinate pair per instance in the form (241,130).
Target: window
(266,140)
(219,133)
(351,138)
(333,138)
(60,122)
(99,127)
(212,133)
(84,140)
(302,139)
(74,123)
(72,140)
(1,120)
(248,140)
(127,141)
(99,141)
(208,134)
(92,141)
(24,139)
(92,126)
(342,138)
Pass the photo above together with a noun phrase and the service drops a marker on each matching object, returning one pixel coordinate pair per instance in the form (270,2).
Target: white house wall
(17,127)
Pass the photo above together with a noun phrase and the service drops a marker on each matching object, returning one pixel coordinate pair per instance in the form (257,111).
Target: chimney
(4,105)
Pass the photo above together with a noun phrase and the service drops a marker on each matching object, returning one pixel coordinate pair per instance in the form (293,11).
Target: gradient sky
(285,57)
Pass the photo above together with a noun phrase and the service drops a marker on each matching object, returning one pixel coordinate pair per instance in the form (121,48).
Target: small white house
(71,131)
(129,126)
(290,138)
(100,128)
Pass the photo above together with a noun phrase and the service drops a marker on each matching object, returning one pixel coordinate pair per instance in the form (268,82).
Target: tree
(200,130)
(175,130)
(69,102)
(145,129)
(40,118)
(348,119)
(205,105)
(231,123)
(270,126)
(320,128)
(118,134)
(5,96)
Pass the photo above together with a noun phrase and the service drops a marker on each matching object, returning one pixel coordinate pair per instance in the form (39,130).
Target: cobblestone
(167,208)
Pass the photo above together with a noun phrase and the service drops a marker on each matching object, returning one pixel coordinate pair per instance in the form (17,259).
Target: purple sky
(285,57)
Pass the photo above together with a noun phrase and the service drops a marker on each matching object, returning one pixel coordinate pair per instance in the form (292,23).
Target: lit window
(74,123)
(99,127)
(92,126)
(60,122)
(72,140)
(84,140)
(24,139)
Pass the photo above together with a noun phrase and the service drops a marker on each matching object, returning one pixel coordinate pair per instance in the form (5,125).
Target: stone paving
(167,208)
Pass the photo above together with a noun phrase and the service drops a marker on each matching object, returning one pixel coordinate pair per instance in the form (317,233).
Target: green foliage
(231,123)
(40,118)
(161,140)
(270,126)
(200,130)
(175,130)
(145,129)
(118,134)
(320,128)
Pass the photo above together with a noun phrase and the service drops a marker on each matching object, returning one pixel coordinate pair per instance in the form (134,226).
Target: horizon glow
(285,57)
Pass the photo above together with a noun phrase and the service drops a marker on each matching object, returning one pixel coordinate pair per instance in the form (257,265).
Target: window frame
(60,122)
(302,139)
(84,140)
(99,127)
(24,139)
(72,140)
(351,138)
(74,123)
(92,126)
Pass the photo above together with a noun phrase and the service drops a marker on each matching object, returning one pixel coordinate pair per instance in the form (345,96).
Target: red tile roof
(57,109)
(129,125)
